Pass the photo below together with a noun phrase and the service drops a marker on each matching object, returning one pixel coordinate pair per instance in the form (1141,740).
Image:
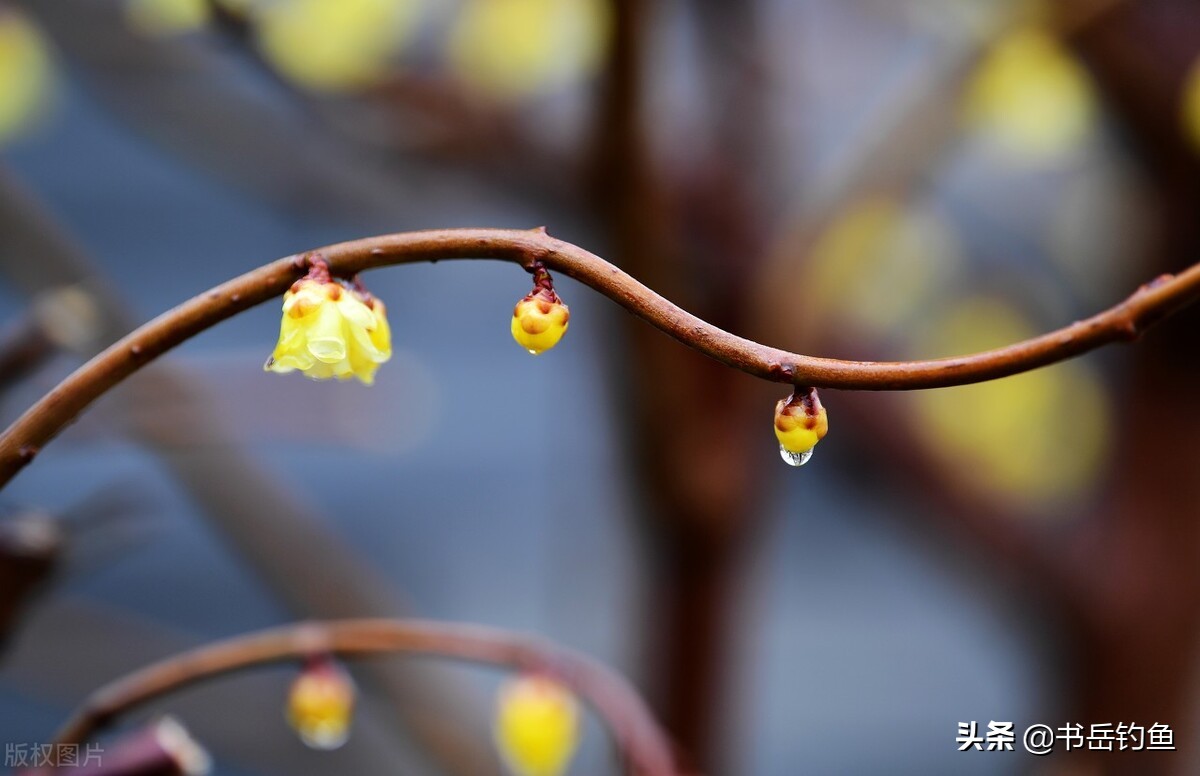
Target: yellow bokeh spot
(876,267)
(512,48)
(334,45)
(1190,105)
(1033,440)
(163,18)
(537,726)
(1031,96)
(26,74)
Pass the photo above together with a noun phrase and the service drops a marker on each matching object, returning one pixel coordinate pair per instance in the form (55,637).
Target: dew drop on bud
(794,459)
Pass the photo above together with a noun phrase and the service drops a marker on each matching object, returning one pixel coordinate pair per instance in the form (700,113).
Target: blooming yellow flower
(537,725)
(321,704)
(329,330)
(800,422)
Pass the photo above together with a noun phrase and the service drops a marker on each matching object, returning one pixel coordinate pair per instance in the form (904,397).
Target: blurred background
(875,179)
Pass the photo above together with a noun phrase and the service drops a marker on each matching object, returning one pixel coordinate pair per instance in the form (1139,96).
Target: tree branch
(21,442)
(634,731)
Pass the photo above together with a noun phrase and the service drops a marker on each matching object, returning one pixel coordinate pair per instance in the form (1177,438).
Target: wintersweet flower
(329,330)
(800,422)
(320,705)
(537,725)
(540,319)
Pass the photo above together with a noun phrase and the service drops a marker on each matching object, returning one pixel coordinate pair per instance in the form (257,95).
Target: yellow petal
(327,335)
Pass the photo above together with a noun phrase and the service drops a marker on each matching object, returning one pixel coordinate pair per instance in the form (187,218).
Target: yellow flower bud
(800,422)
(537,726)
(540,319)
(329,330)
(321,704)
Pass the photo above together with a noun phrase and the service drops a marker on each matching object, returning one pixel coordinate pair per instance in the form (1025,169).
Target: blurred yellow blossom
(1032,96)
(320,704)
(160,18)
(26,73)
(537,725)
(1190,105)
(1035,439)
(329,330)
(512,48)
(334,45)
(876,267)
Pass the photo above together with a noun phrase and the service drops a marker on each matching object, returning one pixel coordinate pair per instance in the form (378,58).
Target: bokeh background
(875,179)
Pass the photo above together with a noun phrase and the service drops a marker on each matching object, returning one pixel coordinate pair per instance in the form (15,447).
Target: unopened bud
(800,422)
(321,704)
(537,725)
(540,319)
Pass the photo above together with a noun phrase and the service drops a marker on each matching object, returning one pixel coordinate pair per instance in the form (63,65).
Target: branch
(634,731)
(21,442)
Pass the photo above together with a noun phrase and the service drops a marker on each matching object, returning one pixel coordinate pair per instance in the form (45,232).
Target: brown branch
(21,442)
(635,733)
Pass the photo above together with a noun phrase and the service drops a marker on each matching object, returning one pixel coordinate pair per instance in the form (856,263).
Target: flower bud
(540,319)
(329,330)
(537,725)
(321,704)
(800,422)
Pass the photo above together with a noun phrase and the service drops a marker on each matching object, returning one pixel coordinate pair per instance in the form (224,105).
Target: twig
(635,732)
(21,442)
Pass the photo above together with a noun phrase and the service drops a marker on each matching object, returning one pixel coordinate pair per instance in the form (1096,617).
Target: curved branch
(25,437)
(634,730)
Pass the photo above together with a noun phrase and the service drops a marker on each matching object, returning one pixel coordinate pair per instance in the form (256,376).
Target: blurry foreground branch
(636,734)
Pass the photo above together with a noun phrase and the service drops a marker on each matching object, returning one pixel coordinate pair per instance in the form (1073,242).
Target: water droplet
(324,737)
(534,352)
(795,459)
